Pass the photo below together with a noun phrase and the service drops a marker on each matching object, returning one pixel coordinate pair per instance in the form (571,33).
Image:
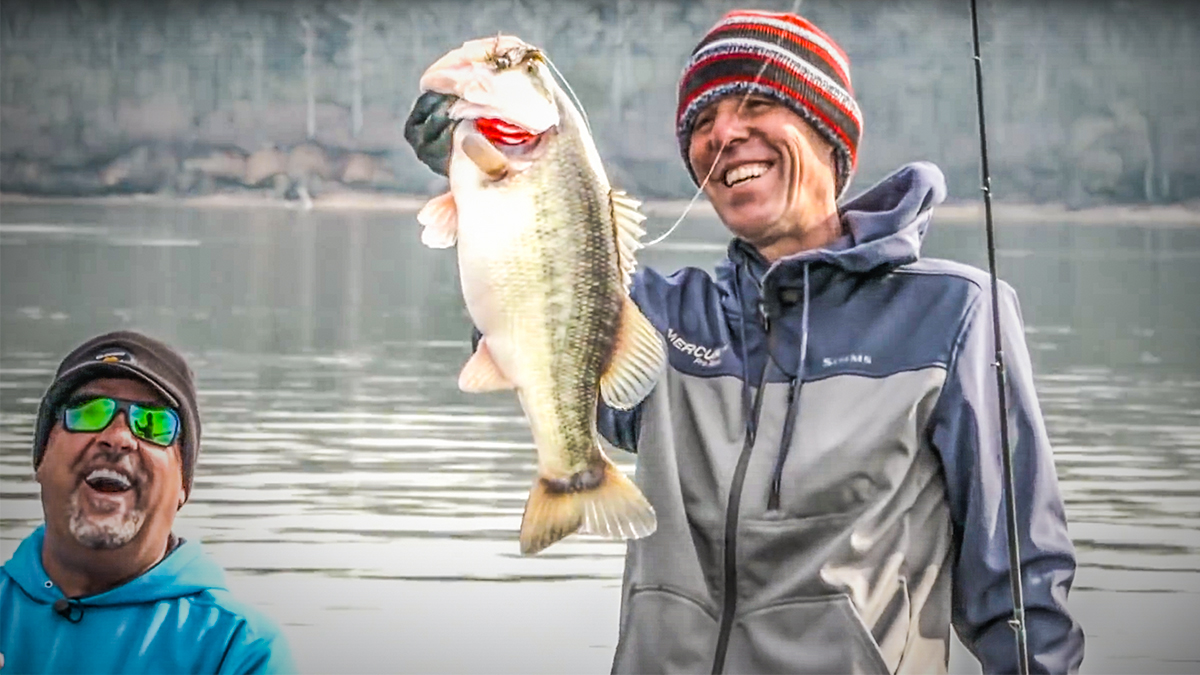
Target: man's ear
(182,498)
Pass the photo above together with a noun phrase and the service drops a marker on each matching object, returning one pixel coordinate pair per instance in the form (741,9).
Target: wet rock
(263,164)
(204,172)
(361,169)
(20,175)
(219,164)
(308,160)
(144,169)
(23,176)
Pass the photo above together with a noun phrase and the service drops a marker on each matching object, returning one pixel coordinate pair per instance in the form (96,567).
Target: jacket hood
(185,571)
(883,226)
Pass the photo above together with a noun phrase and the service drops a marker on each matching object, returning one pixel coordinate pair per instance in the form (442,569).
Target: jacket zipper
(729,600)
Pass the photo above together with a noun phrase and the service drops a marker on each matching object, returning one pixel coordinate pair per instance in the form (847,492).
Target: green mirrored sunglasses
(154,423)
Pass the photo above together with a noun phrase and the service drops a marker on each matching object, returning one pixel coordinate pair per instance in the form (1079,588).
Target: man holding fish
(826,482)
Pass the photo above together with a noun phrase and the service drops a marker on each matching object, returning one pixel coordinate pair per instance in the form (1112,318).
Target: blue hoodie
(823,457)
(178,617)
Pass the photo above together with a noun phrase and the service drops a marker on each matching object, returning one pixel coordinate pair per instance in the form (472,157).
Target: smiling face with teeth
(109,493)
(773,178)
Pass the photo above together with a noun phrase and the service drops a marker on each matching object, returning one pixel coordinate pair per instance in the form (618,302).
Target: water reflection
(337,448)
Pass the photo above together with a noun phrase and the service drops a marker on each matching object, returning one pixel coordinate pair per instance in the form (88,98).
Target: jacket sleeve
(620,427)
(965,431)
(258,652)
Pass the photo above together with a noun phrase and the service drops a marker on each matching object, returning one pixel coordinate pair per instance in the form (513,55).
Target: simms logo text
(702,356)
(864,359)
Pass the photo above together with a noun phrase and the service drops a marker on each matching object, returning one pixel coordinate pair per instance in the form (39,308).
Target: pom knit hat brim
(783,57)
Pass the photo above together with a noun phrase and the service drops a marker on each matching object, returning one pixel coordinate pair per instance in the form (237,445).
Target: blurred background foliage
(1088,102)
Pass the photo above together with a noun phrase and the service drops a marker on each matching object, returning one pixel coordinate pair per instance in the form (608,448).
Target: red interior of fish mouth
(499,132)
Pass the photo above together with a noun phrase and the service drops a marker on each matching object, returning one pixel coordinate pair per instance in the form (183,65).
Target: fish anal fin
(627,223)
(637,360)
(481,374)
(439,217)
(598,500)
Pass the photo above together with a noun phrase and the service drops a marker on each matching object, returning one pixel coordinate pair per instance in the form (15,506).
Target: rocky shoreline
(349,199)
(298,173)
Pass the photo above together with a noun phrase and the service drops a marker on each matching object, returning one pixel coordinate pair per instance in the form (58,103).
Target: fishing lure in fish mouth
(513,56)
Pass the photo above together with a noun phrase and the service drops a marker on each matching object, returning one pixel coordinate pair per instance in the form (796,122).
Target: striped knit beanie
(782,56)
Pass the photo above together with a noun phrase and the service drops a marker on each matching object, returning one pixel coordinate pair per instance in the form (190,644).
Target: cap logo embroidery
(114,356)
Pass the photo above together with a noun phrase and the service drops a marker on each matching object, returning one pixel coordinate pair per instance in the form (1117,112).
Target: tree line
(1087,102)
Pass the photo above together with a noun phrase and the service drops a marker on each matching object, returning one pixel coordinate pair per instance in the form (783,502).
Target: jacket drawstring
(793,405)
(747,406)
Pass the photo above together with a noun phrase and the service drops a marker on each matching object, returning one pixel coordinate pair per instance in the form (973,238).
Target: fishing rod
(1010,499)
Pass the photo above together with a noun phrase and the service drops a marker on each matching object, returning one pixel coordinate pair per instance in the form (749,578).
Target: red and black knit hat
(782,56)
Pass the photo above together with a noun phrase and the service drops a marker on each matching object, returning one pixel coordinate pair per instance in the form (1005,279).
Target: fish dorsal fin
(627,221)
(637,360)
(481,373)
(440,218)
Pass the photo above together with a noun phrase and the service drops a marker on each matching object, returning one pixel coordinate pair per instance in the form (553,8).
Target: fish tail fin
(618,509)
(598,500)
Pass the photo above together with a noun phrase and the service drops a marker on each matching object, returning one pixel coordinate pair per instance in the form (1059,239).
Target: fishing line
(570,92)
(745,97)
(1010,500)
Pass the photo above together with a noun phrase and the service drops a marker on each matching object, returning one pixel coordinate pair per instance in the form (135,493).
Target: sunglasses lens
(157,425)
(93,415)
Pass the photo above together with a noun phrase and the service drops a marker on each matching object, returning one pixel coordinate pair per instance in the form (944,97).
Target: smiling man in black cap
(104,585)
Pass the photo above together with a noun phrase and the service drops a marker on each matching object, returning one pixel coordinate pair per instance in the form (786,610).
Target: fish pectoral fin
(485,155)
(599,500)
(637,360)
(627,221)
(481,374)
(439,217)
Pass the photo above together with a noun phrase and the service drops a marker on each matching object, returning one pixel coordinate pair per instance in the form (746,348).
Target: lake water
(352,492)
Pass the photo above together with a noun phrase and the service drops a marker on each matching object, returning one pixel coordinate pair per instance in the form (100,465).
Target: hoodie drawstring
(737,294)
(793,405)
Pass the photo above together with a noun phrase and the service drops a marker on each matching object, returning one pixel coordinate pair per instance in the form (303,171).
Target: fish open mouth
(501,133)
(501,149)
(107,480)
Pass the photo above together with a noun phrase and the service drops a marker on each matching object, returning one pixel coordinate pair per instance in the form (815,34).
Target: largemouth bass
(545,254)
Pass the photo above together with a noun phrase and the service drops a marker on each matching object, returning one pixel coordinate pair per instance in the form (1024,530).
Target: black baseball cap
(131,355)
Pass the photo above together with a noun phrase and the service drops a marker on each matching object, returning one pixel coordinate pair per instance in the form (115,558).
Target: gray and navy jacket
(823,455)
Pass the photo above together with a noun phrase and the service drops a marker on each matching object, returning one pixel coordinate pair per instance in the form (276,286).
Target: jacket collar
(185,571)
(883,228)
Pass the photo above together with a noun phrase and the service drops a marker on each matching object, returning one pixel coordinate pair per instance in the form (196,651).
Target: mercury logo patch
(701,356)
